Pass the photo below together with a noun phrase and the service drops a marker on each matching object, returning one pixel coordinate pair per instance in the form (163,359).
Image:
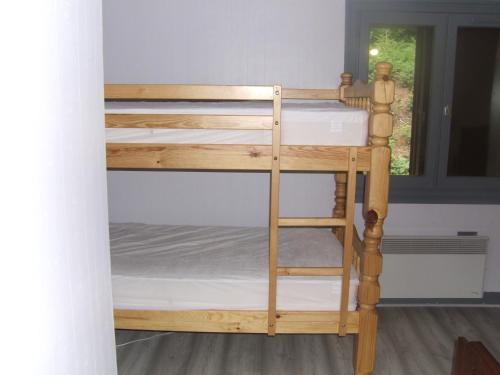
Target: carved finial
(380,122)
(346,79)
(383,70)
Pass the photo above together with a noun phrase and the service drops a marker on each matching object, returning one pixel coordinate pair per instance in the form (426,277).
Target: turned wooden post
(341,177)
(374,213)
(340,201)
(345,81)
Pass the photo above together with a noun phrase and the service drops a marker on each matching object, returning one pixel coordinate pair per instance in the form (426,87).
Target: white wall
(446,220)
(295,43)
(202,198)
(292,42)
(55,280)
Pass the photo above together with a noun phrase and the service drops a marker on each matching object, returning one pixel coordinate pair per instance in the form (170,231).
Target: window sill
(444,195)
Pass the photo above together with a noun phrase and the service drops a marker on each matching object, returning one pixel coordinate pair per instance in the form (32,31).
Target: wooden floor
(412,340)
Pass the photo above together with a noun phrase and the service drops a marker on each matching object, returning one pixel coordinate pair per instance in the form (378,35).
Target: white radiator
(433,266)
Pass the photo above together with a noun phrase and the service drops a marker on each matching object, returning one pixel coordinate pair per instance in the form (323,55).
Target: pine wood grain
(186,92)
(348,239)
(233,321)
(374,210)
(184,156)
(231,157)
(311,94)
(311,222)
(310,271)
(168,121)
(274,213)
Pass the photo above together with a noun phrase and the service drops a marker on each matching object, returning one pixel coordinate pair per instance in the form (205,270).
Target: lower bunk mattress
(159,267)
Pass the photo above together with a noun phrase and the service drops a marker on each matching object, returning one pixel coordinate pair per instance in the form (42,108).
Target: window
(408,48)
(446,140)
(475,108)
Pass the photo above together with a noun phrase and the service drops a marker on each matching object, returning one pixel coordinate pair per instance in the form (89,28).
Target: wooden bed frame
(346,162)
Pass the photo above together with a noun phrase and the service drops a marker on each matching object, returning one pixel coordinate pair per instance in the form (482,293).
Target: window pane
(409,50)
(475,115)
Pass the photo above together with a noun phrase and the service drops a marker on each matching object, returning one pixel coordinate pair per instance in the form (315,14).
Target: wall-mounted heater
(433,266)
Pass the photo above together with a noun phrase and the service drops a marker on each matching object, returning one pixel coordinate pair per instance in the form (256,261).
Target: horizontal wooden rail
(193,156)
(311,222)
(310,271)
(168,121)
(186,92)
(231,157)
(234,321)
(311,94)
(322,158)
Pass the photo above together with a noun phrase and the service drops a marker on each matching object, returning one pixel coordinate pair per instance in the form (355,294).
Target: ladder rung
(311,222)
(310,271)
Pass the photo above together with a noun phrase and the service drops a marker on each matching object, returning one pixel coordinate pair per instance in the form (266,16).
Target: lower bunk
(214,279)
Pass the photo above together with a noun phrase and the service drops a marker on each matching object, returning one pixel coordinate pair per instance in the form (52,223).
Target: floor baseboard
(489,298)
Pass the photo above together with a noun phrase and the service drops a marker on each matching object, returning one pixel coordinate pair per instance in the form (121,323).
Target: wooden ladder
(275,222)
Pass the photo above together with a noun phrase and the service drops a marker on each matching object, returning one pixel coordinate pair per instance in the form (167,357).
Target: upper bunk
(188,127)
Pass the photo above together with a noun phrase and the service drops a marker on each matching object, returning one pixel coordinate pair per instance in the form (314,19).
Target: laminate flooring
(411,340)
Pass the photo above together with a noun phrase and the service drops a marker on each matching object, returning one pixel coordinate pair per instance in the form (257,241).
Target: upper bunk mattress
(157,267)
(303,123)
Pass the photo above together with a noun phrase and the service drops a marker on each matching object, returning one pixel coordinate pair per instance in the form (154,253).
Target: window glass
(409,50)
(475,111)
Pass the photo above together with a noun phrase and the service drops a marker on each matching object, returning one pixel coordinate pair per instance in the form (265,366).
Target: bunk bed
(330,286)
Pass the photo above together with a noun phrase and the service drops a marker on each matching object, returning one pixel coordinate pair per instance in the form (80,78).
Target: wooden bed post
(340,201)
(374,212)
(341,177)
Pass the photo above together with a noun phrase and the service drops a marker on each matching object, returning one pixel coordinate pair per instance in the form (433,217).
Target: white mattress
(195,268)
(303,123)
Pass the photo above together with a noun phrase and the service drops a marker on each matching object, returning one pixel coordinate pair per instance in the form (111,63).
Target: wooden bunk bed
(345,161)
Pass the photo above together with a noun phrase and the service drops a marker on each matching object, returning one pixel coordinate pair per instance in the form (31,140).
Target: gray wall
(295,43)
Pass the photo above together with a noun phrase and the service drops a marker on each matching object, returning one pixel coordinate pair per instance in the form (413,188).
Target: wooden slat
(231,157)
(314,322)
(178,156)
(321,158)
(311,94)
(311,222)
(348,239)
(169,121)
(310,271)
(233,321)
(274,212)
(192,320)
(186,92)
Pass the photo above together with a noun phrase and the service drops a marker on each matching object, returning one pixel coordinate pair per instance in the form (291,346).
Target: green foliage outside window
(397,45)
